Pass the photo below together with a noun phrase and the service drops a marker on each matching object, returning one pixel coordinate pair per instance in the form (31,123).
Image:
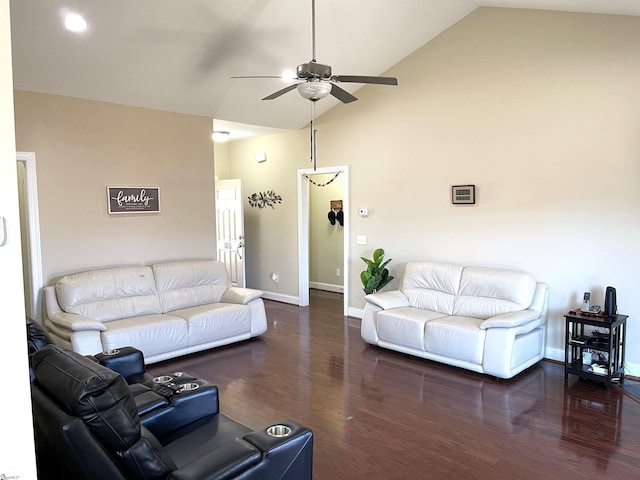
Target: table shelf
(609,343)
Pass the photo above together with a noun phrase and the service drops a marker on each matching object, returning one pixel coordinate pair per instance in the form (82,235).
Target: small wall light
(220,136)
(261,157)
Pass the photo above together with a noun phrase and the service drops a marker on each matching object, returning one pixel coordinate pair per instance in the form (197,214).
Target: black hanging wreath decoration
(264,199)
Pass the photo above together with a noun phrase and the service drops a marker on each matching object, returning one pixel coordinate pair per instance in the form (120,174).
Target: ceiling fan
(318,79)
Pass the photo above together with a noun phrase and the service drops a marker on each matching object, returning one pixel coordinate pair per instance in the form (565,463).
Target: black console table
(606,339)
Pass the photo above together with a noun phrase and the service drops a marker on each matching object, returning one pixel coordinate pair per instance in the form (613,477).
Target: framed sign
(133,200)
(336,204)
(463,194)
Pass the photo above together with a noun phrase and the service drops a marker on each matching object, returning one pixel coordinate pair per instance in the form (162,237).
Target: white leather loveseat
(488,320)
(164,310)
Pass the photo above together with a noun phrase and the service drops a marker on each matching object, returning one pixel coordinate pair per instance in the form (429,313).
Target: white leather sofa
(164,310)
(488,320)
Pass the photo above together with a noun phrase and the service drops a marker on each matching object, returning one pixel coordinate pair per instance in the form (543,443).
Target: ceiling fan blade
(365,79)
(281,92)
(342,95)
(258,76)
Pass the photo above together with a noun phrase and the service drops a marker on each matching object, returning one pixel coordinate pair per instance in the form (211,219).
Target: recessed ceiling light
(75,22)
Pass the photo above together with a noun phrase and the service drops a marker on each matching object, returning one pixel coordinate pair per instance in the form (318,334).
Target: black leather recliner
(87,425)
(162,408)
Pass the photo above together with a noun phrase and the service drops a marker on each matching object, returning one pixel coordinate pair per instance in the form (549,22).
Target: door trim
(33,220)
(303,233)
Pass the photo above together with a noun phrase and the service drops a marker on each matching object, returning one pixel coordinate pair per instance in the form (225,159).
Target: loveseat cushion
(432,285)
(487,292)
(152,334)
(405,326)
(189,283)
(109,294)
(458,338)
(216,321)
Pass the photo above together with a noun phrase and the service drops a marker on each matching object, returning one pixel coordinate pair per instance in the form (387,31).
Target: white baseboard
(327,286)
(279,297)
(556,354)
(632,369)
(356,312)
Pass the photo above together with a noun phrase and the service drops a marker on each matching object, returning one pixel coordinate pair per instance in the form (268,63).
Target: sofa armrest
(387,300)
(75,323)
(511,319)
(240,295)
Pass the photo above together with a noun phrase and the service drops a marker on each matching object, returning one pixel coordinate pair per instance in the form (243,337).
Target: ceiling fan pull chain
(313,136)
(315,156)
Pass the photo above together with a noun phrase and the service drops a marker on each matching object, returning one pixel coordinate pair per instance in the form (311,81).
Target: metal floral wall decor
(264,199)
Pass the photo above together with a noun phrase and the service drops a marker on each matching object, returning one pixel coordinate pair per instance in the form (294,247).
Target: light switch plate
(361,239)
(3,231)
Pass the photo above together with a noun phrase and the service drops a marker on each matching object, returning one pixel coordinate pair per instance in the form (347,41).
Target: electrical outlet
(274,277)
(337,272)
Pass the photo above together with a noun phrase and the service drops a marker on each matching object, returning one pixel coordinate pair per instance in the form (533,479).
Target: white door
(230,228)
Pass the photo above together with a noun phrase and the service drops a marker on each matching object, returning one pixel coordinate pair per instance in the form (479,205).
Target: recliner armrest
(387,300)
(226,462)
(127,361)
(240,295)
(510,320)
(183,409)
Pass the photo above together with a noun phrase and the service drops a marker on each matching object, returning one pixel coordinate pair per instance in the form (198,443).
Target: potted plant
(376,276)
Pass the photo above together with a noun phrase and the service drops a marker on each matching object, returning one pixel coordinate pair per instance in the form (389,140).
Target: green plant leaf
(376,276)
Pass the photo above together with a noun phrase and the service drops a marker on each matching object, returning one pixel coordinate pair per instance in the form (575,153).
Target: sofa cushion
(487,292)
(208,323)
(189,283)
(432,285)
(152,334)
(458,338)
(109,294)
(405,326)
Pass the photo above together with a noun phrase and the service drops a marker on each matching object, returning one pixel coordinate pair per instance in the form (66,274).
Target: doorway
(304,229)
(230,229)
(30,234)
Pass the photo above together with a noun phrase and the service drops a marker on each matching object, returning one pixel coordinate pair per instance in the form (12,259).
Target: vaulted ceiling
(180,55)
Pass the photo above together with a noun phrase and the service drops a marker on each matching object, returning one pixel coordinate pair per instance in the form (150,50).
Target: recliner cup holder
(279,431)
(163,379)
(188,387)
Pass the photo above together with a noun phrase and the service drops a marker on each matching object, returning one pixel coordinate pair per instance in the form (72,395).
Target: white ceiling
(179,55)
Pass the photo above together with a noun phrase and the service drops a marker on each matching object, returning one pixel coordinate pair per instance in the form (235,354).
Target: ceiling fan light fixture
(314,91)
(288,76)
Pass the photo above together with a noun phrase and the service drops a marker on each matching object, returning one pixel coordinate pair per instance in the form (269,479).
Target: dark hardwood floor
(377,414)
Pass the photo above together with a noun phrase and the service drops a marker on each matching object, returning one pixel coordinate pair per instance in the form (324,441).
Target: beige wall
(82,146)
(326,241)
(540,110)
(221,156)
(271,234)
